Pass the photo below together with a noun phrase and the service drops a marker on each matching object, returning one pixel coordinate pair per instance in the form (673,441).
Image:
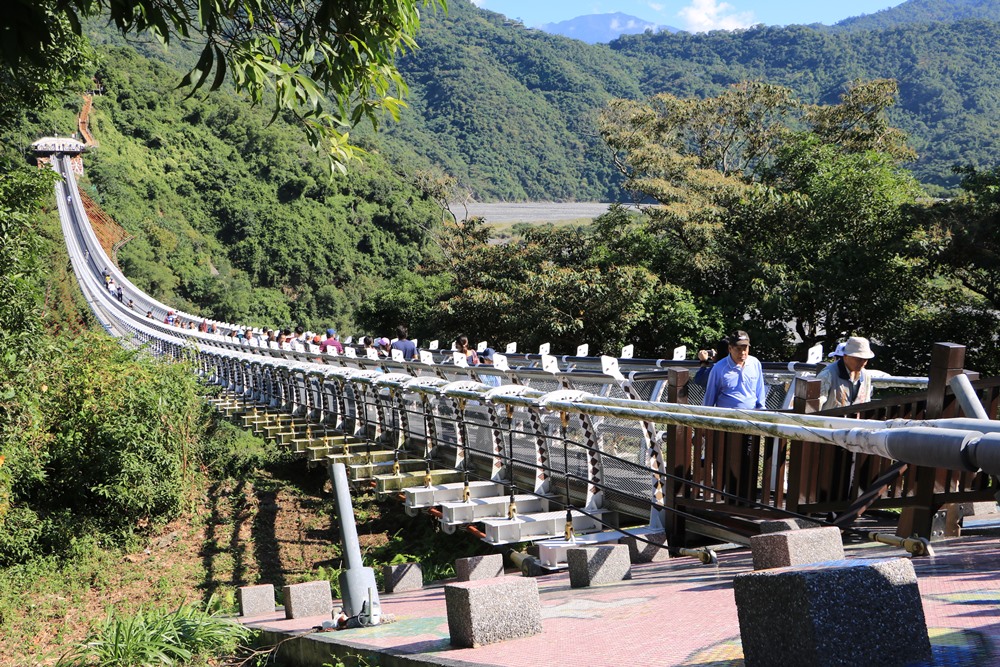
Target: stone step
(355,456)
(422,497)
(285,437)
(532,527)
(493,507)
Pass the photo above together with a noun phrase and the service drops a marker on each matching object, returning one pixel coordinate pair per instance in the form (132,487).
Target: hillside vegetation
(511,111)
(238,218)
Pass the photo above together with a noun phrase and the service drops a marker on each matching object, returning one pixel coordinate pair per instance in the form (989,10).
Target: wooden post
(677,457)
(800,456)
(946,362)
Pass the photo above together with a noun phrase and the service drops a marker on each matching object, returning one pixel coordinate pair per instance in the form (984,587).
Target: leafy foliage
(158,637)
(329,64)
(512,112)
(237,219)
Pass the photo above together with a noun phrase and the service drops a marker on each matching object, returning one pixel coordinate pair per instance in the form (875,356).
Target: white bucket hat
(857,346)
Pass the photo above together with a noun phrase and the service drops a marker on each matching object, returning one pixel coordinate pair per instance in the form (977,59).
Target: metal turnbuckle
(916,546)
(706,555)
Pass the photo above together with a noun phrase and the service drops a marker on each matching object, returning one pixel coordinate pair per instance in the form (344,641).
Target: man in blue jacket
(737,381)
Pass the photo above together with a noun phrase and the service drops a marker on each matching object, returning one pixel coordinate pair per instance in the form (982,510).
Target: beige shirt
(837,388)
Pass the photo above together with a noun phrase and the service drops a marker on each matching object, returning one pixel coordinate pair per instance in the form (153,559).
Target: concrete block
(981,509)
(602,564)
(781,525)
(489,566)
(486,611)
(313,598)
(644,552)
(403,577)
(796,547)
(256,600)
(845,612)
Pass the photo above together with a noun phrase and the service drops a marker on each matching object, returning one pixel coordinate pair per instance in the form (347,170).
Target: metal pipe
(967,398)
(705,555)
(526,563)
(357,583)
(917,546)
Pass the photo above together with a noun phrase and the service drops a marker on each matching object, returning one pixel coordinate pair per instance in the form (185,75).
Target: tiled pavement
(678,613)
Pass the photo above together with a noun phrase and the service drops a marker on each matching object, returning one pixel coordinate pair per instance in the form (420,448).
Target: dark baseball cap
(739,337)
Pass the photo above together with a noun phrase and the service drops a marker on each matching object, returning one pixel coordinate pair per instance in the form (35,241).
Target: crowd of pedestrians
(732,377)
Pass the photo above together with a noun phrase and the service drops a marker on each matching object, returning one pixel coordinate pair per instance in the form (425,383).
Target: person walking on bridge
(847,381)
(737,380)
(404,344)
(331,342)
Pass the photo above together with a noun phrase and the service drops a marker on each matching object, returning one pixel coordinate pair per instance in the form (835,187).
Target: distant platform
(50,145)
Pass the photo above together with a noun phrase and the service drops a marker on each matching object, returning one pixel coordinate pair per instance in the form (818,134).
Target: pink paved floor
(682,613)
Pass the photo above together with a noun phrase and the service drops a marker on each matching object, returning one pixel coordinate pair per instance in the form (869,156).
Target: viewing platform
(47,146)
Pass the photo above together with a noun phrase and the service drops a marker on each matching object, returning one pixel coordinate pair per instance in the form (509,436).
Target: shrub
(158,637)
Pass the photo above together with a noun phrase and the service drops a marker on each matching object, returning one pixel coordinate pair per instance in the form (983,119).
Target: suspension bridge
(561,451)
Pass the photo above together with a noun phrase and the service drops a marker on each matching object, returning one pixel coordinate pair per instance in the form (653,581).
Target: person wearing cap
(847,381)
(486,359)
(737,380)
(404,344)
(331,342)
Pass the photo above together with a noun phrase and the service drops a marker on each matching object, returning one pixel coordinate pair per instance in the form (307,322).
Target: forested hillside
(238,218)
(923,11)
(947,77)
(510,111)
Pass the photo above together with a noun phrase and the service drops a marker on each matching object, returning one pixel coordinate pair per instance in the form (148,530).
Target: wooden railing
(734,478)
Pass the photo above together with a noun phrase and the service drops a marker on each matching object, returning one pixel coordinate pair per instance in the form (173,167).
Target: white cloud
(479,3)
(655,6)
(705,15)
(615,25)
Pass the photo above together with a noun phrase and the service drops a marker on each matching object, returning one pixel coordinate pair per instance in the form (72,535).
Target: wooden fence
(730,479)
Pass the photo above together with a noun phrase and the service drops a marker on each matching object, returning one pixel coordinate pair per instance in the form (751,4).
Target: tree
(968,225)
(774,211)
(328,62)
(829,250)
(562,286)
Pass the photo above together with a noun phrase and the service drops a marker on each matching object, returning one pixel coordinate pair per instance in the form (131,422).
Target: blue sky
(692,15)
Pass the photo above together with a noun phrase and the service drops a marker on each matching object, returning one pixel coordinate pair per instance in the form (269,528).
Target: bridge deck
(673,613)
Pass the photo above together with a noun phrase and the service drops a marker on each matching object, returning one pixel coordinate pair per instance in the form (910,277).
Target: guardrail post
(677,457)
(801,458)
(946,362)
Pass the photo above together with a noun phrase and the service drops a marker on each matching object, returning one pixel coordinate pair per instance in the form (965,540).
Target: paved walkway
(674,613)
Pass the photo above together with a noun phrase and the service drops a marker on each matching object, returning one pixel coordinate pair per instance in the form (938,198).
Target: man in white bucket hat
(846,381)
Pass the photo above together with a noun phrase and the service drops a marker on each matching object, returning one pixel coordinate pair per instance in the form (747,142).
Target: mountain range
(603,28)
(511,111)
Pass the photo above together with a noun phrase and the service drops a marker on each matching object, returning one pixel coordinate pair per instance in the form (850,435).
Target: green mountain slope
(923,11)
(237,218)
(509,110)
(947,74)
